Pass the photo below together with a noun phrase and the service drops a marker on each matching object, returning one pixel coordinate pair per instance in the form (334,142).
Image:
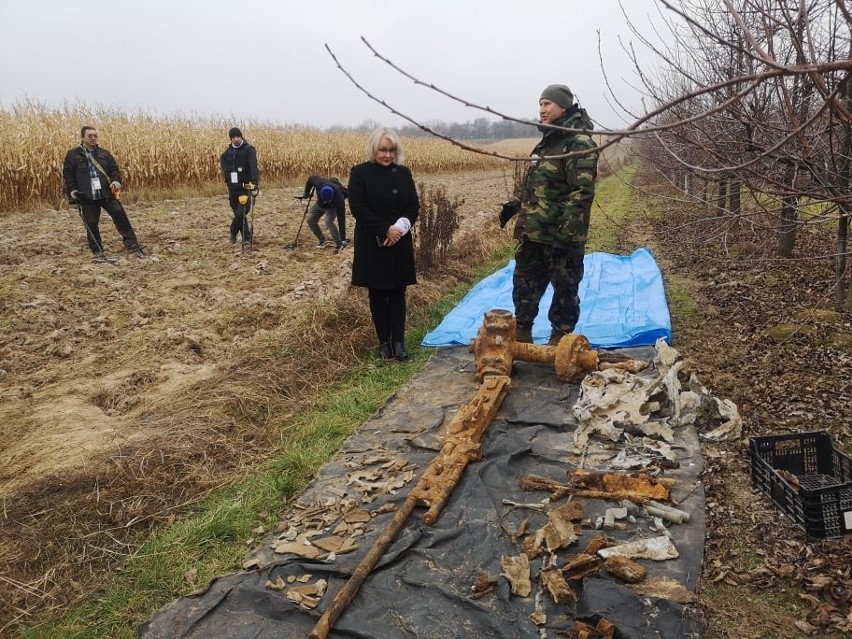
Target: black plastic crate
(814,486)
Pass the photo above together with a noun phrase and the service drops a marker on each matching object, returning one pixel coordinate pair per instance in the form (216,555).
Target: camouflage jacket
(556,201)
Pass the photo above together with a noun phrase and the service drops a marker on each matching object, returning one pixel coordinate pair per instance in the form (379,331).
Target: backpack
(340,187)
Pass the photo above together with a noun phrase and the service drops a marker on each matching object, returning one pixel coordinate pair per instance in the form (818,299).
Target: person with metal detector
(239,168)
(93,182)
(331,203)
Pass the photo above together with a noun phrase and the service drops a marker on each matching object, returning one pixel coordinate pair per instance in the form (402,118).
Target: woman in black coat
(383,200)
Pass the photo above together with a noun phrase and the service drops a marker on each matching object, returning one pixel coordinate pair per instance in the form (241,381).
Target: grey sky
(265,60)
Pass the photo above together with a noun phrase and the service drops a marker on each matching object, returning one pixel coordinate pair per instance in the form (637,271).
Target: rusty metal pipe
(462,445)
(344,596)
(496,350)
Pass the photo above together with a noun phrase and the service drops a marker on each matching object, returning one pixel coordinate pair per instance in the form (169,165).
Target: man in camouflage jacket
(553,217)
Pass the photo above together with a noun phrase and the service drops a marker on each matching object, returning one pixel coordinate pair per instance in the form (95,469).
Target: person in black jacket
(383,200)
(331,202)
(93,181)
(239,168)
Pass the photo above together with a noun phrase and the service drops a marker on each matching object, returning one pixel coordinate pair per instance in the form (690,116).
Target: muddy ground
(105,364)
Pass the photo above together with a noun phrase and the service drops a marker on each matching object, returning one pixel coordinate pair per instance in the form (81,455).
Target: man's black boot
(399,351)
(555,336)
(523,335)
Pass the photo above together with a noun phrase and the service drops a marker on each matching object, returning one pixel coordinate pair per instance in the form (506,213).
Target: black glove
(78,197)
(507,213)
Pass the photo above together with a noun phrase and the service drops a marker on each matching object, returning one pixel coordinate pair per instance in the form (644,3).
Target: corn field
(164,153)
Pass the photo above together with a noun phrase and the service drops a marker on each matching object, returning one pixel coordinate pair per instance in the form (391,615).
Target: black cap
(235,133)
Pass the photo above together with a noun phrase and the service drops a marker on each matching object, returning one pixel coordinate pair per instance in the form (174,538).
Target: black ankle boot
(399,351)
(385,351)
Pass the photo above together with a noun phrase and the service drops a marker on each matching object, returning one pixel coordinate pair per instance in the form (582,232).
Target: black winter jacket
(378,196)
(316,182)
(243,161)
(75,171)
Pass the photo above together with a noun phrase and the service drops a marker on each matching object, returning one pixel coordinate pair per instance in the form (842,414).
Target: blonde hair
(375,140)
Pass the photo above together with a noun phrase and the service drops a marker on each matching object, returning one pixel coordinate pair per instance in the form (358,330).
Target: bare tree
(750,102)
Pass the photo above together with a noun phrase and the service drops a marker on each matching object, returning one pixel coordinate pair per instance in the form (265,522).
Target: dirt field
(122,382)
(88,349)
(106,365)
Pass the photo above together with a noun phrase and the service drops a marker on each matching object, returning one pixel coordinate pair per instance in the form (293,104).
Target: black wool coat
(378,196)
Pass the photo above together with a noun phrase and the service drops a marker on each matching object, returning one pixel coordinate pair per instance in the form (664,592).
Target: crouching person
(331,196)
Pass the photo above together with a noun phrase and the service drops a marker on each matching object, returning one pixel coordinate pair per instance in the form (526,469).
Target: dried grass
(218,429)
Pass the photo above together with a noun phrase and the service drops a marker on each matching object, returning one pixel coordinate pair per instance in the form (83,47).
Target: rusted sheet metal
(496,350)
(624,485)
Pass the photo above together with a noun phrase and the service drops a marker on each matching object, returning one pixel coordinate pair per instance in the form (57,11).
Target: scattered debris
(579,566)
(665,588)
(483,585)
(613,403)
(307,596)
(657,548)
(517,570)
(603,629)
(554,582)
(625,569)
(538,616)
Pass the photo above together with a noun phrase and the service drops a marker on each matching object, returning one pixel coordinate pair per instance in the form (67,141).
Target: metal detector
(295,242)
(243,200)
(248,224)
(101,257)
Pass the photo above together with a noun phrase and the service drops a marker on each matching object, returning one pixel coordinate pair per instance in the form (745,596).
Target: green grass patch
(682,304)
(211,538)
(9,289)
(612,209)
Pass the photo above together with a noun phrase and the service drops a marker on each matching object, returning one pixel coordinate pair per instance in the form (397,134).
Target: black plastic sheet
(422,585)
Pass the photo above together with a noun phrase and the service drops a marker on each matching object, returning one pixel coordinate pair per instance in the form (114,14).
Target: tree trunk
(735,204)
(787,228)
(842,261)
(722,199)
(842,266)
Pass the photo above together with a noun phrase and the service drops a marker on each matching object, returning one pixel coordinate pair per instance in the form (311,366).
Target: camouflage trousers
(536,266)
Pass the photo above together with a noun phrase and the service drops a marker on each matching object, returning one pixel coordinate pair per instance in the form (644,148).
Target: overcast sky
(265,60)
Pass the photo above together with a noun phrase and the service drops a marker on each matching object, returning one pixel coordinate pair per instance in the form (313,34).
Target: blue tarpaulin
(622,303)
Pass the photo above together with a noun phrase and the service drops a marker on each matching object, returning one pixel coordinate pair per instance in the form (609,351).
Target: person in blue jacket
(331,203)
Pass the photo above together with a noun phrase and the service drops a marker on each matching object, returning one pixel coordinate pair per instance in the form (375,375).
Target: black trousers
(387,308)
(240,222)
(91,212)
(536,266)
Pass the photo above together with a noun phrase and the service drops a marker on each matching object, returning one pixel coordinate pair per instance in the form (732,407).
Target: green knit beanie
(560,94)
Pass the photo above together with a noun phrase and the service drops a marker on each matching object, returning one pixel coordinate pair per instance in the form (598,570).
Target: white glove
(403,225)
(115,185)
